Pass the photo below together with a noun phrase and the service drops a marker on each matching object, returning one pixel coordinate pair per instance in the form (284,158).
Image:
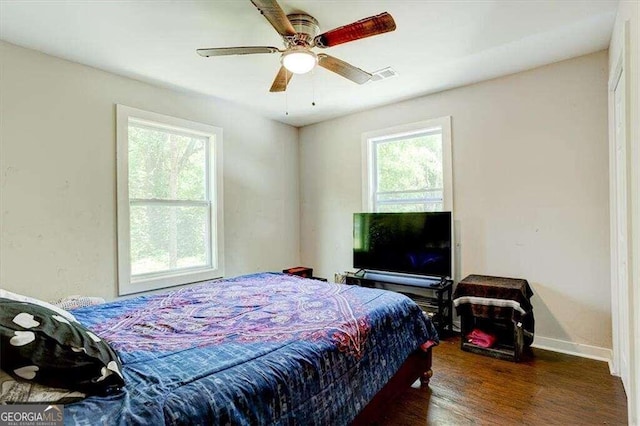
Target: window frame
(370,139)
(128,284)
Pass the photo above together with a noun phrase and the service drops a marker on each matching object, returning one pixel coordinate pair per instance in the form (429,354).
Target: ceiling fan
(299,32)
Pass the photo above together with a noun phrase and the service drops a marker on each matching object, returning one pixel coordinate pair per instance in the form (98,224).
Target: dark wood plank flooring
(546,389)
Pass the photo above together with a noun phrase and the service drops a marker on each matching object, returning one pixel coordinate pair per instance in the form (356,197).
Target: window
(408,168)
(169,201)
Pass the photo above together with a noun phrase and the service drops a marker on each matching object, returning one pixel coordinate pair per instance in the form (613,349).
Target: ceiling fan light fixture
(299,61)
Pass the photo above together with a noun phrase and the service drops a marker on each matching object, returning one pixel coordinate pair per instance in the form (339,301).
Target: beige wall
(530,175)
(57,164)
(530,182)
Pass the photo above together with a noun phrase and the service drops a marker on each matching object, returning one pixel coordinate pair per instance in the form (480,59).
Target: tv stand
(433,295)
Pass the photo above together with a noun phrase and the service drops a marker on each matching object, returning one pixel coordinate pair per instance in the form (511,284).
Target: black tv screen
(410,243)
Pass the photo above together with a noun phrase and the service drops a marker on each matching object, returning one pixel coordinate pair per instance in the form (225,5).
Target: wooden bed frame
(417,366)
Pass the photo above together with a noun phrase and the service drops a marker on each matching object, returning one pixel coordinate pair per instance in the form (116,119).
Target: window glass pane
(409,164)
(165,237)
(415,207)
(432,195)
(165,165)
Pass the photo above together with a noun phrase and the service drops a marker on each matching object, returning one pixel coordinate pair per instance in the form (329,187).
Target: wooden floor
(546,389)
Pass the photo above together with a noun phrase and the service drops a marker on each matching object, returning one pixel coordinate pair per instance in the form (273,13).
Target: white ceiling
(437,45)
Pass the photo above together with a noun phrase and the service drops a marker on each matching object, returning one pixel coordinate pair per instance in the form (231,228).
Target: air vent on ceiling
(383,74)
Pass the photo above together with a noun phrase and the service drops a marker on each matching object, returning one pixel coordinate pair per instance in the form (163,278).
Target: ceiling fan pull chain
(313,87)
(286,96)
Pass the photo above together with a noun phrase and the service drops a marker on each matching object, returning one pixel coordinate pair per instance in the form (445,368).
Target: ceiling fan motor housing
(306,27)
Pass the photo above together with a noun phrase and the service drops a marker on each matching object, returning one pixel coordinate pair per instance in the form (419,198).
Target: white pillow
(77,301)
(20,298)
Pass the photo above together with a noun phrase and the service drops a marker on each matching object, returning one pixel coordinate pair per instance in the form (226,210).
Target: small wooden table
(497,305)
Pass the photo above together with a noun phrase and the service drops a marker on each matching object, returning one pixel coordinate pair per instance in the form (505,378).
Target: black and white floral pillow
(37,344)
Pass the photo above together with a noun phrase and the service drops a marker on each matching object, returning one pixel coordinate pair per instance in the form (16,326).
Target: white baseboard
(577,349)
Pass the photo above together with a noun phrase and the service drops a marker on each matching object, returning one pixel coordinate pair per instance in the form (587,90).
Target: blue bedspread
(259,349)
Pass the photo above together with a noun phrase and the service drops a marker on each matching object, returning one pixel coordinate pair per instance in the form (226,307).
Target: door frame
(621,331)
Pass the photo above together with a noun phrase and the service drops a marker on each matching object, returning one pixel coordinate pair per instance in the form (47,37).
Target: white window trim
(369,138)
(125,283)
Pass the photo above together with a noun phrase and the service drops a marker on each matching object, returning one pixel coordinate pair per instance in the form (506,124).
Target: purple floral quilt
(258,349)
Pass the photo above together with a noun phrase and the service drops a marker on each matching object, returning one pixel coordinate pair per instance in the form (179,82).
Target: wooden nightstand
(301,271)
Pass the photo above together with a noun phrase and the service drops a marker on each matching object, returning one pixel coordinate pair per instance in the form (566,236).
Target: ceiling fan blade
(244,50)
(271,10)
(343,68)
(281,81)
(363,28)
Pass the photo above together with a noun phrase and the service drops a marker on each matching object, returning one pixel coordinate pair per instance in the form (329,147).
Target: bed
(265,348)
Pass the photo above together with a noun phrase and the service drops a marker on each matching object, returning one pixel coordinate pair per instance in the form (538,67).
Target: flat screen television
(409,243)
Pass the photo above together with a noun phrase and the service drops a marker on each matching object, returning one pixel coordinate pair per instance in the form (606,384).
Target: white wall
(57,163)
(629,11)
(530,176)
